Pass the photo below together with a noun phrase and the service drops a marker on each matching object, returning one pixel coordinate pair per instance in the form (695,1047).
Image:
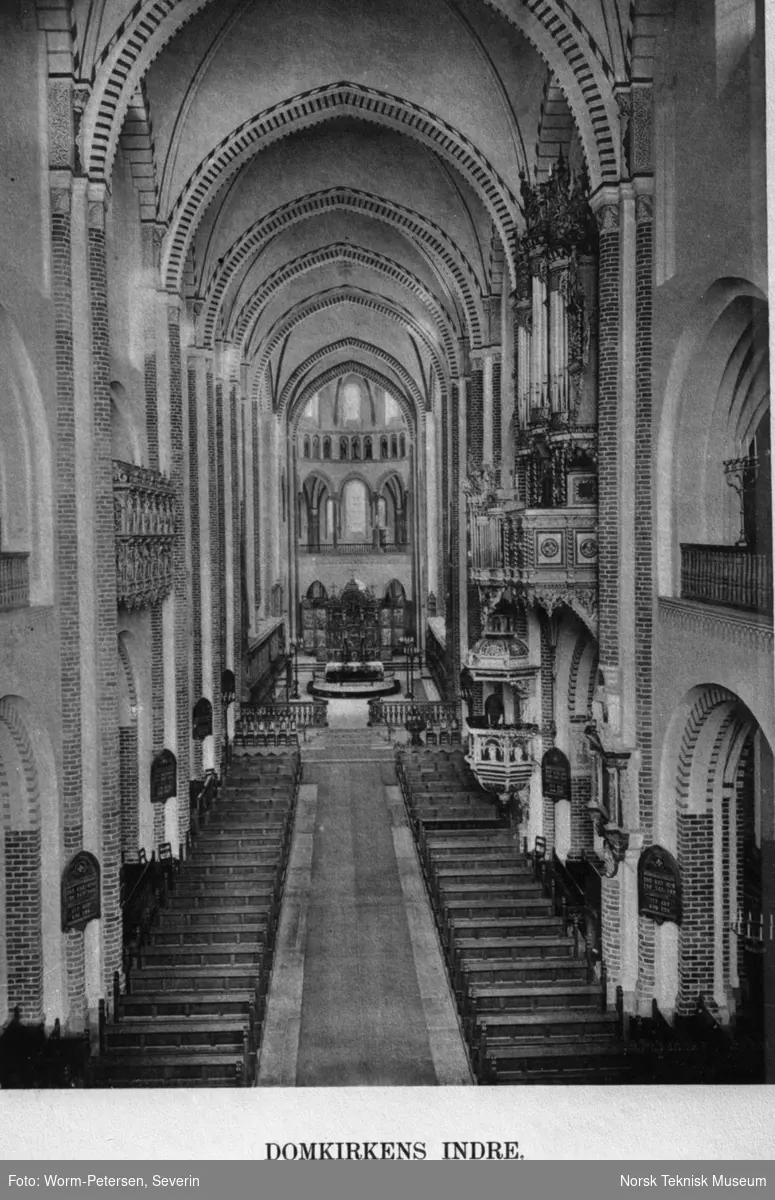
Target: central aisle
(362,1018)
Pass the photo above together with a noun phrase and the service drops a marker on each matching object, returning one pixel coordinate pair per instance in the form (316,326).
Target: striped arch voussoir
(335,371)
(331,298)
(337,252)
(309,108)
(710,699)
(424,233)
(287,396)
(17,730)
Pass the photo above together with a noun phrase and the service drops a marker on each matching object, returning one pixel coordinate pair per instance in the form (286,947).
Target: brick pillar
(151,391)
(214,400)
(196,566)
(129,788)
(547,719)
(475,415)
(24,923)
(644,560)
(69,592)
(696,939)
(455,538)
(497,420)
(256,486)
(105,592)
(236,537)
(445,563)
(608,432)
(183,704)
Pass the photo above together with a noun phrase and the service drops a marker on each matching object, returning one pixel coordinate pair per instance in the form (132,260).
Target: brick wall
(67,570)
(547,720)
(24,924)
(453,622)
(105,587)
(129,787)
(236,534)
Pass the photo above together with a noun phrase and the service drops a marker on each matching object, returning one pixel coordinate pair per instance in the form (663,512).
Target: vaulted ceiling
(339,180)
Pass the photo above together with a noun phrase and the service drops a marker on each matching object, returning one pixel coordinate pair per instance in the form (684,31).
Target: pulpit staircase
(191,1011)
(532,1005)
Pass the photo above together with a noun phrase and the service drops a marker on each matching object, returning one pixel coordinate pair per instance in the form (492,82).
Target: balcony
(728,576)
(144,503)
(547,554)
(354,548)
(14,580)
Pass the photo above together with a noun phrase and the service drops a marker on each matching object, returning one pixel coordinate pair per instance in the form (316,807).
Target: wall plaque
(164,777)
(80,891)
(203,719)
(659,886)
(555,775)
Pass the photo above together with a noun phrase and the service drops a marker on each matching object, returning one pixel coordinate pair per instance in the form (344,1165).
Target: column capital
(97,200)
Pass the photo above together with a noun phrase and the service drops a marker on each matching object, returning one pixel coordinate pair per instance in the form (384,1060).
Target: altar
(353,679)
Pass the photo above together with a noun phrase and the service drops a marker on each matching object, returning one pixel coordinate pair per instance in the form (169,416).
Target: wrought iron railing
(14,579)
(731,576)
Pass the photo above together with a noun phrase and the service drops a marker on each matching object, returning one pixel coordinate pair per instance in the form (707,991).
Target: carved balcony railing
(144,504)
(14,580)
(549,555)
(355,548)
(730,576)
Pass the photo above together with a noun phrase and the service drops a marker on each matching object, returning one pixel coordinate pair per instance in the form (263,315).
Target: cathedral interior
(386,624)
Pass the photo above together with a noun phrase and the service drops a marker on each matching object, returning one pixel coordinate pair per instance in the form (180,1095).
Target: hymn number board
(80,891)
(659,886)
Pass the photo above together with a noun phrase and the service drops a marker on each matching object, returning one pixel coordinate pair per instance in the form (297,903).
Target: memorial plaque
(80,891)
(203,719)
(164,777)
(555,776)
(659,886)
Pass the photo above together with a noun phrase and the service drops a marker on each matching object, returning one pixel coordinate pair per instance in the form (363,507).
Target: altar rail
(14,579)
(439,715)
(277,724)
(727,575)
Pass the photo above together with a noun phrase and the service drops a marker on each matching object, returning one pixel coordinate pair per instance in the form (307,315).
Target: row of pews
(192,1005)
(531,1008)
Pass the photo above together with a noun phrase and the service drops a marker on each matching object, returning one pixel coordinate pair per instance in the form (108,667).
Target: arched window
(394,446)
(355,510)
(316,447)
(306,447)
(355,448)
(403,445)
(367,448)
(327,447)
(329,519)
(382,512)
(351,403)
(383,447)
(343,447)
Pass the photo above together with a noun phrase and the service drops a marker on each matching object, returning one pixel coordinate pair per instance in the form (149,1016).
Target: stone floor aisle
(362,1021)
(359,995)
